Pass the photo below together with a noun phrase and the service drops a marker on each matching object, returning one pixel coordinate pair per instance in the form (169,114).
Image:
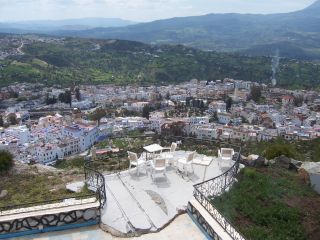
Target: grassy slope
(25,188)
(272,204)
(124,62)
(299,150)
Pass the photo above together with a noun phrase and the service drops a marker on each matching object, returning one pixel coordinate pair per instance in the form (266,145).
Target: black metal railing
(206,191)
(95,181)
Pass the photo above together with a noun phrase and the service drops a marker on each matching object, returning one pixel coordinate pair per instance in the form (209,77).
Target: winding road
(19,49)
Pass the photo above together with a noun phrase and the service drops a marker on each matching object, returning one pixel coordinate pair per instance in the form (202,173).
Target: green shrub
(250,173)
(278,149)
(6,161)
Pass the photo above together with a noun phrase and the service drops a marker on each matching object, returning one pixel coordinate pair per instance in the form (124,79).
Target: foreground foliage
(272,204)
(6,161)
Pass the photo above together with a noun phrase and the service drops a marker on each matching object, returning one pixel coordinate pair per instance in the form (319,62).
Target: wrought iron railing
(206,191)
(95,181)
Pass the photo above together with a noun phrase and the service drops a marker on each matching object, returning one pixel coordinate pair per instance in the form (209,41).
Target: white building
(197,120)
(48,154)
(206,133)
(224,118)
(20,132)
(132,123)
(135,106)
(88,134)
(217,106)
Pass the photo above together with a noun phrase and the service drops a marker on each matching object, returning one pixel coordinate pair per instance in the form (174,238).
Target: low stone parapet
(51,217)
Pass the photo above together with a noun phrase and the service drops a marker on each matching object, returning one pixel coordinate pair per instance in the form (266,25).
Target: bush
(6,161)
(279,149)
(250,172)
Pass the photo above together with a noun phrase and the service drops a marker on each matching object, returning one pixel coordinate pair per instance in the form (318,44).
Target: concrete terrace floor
(181,228)
(142,205)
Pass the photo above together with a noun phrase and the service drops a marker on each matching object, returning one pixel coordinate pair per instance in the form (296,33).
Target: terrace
(140,200)
(141,193)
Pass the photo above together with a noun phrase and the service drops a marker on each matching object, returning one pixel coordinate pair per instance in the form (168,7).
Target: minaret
(235,95)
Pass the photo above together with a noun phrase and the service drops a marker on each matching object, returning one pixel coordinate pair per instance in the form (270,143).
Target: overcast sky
(138,10)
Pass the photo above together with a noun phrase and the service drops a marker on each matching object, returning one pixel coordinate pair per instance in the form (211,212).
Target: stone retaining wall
(49,222)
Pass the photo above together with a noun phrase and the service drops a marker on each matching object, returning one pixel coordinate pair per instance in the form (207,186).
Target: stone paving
(181,228)
(131,208)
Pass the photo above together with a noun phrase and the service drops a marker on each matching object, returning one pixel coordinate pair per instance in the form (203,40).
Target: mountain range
(296,34)
(293,35)
(50,26)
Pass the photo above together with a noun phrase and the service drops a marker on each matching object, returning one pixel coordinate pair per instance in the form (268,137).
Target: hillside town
(43,124)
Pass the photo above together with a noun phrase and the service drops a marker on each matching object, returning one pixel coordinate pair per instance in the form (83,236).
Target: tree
(50,100)
(65,97)
(298,101)
(68,97)
(229,103)
(97,115)
(214,117)
(168,96)
(202,104)
(188,101)
(146,112)
(61,97)
(1,121)
(13,119)
(255,93)
(6,161)
(78,94)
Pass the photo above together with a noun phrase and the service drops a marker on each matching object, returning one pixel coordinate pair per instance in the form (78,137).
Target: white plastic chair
(184,163)
(225,155)
(158,166)
(169,155)
(135,161)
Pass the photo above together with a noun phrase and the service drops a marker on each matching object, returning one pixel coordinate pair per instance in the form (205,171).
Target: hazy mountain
(48,26)
(255,34)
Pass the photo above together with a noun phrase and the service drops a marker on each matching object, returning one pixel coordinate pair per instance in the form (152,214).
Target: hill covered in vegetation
(256,34)
(88,61)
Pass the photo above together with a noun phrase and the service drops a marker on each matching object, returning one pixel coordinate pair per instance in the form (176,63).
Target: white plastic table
(205,161)
(153,148)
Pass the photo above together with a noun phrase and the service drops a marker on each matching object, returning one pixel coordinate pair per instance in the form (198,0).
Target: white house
(224,118)
(22,133)
(48,153)
(217,106)
(88,134)
(197,120)
(206,133)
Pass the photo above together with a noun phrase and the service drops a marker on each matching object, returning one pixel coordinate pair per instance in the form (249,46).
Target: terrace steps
(121,212)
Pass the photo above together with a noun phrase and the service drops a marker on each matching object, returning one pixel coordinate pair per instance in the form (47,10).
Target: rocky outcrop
(287,163)
(254,161)
(3,194)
